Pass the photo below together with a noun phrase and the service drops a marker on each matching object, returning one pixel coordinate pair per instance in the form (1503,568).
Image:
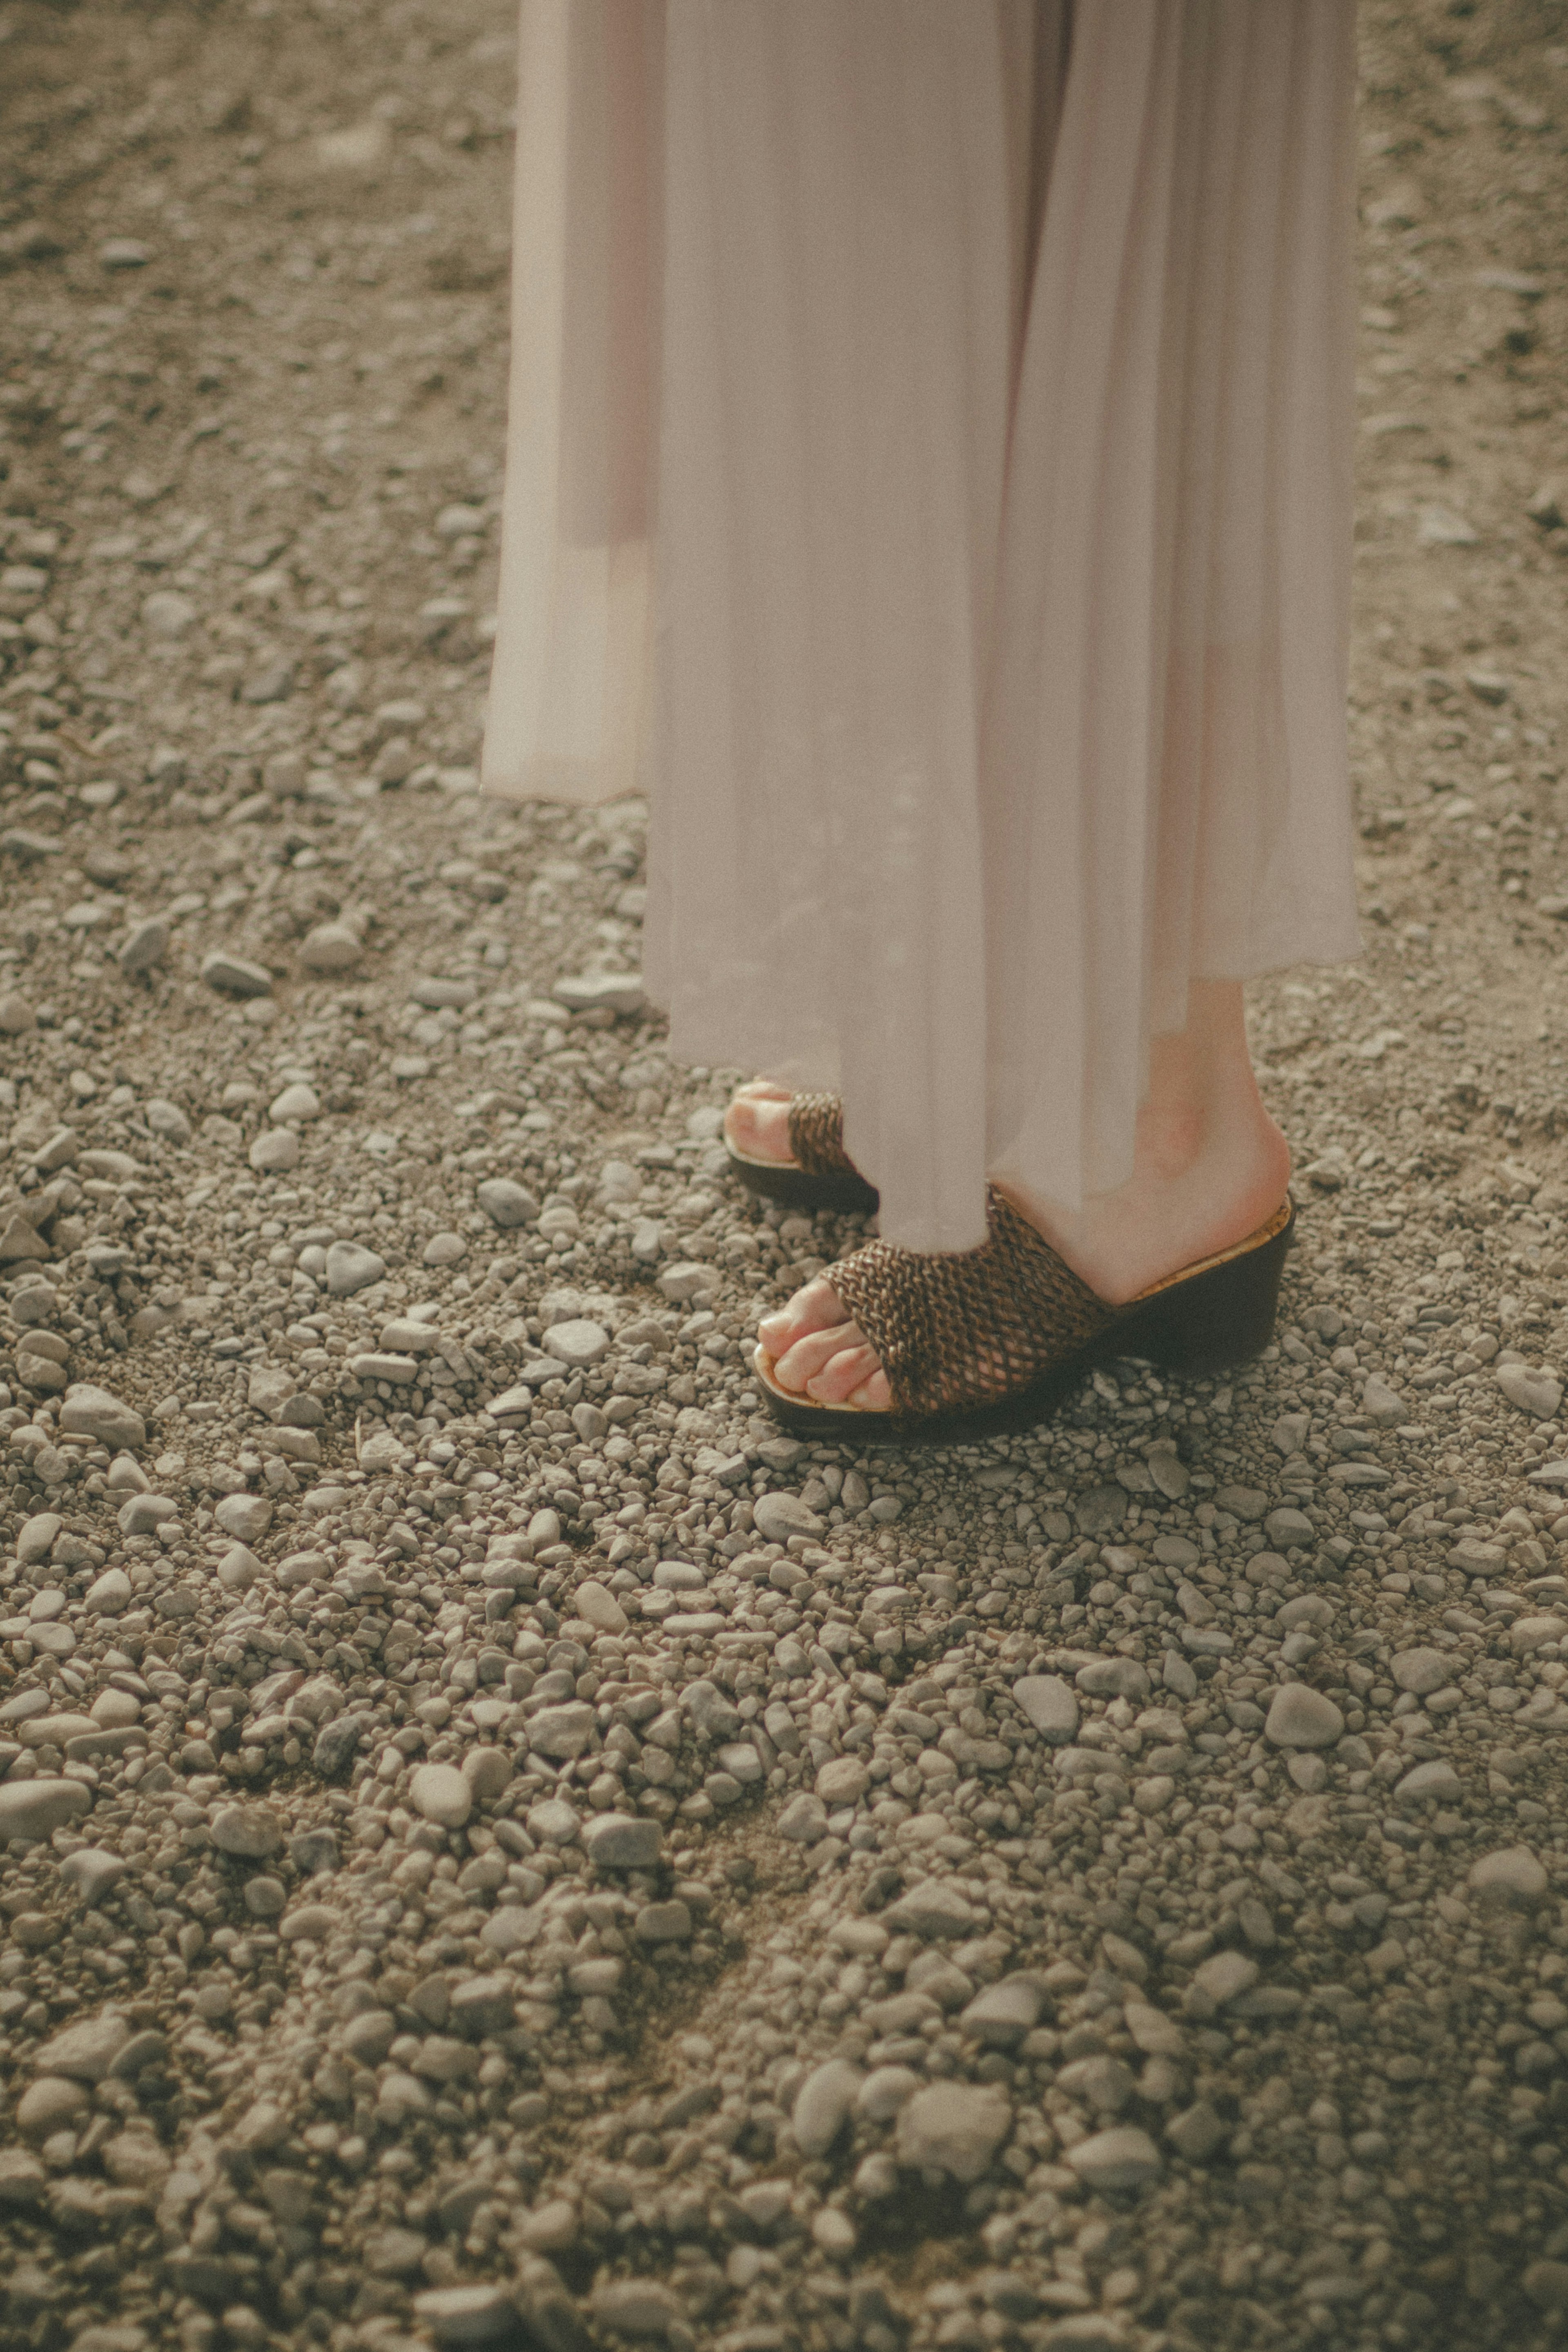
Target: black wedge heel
(993,1339)
(1208,1318)
(798,1187)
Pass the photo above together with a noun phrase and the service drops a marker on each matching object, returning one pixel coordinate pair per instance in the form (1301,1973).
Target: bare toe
(811,1356)
(853,1368)
(756,1123)
(816,1308)
(815,1350)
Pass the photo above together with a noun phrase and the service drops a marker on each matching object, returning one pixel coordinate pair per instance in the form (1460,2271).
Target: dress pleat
(929,481)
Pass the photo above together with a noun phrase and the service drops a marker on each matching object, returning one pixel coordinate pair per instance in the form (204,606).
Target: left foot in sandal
(1209,1169)
(791,1149)
(756,1123)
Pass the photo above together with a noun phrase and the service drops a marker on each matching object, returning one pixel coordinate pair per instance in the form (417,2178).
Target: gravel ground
(504,1847)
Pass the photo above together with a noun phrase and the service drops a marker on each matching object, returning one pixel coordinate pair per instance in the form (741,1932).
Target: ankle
(1209,1164)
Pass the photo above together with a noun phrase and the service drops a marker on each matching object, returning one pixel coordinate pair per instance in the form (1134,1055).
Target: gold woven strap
(817,1135)
(973,1327)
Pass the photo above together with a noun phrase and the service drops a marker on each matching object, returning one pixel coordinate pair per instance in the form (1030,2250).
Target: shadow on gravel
(920,2235)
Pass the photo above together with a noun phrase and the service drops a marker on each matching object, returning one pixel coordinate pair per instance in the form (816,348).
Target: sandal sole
(1212,1316)
(794,1187)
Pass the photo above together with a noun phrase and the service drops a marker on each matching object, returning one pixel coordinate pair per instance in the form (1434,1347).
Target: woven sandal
(822,1175)
(993,1339)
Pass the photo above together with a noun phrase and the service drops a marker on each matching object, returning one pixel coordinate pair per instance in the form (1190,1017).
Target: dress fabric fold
(928,479)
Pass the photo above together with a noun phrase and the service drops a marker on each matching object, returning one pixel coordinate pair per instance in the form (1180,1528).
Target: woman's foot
(756,1123)
(1209,1167)
(819,1353)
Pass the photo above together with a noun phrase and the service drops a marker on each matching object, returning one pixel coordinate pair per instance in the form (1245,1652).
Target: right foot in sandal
(1208,1165)
(1210,1169)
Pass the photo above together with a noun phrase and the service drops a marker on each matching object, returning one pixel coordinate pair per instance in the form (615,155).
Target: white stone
(823,2105)
(1122,2158)
(167,613)
(458,2316)
(250,1831)
(1303,1717)
(833,2232)
(555,1822)
(84,2053)
(376,1365)
(143,948)
(1421,1671)
(37,1808)
(1003,2013)
(688,1279)
(350,1267)
(560,1732)
(634,2309)
(1478,1559)
(91,1871)
(596,1603)
(1528,1633)
(803,1820)
(934,1911)
(109,1595)
(1224,1979)
(234,976)
(54,1730)
(49,2106)
(239,1569)
(294,1444)
(885,2090)
(843,1780)
(403,1337)
(167,1120)
(89,1411)
(1436,1778)
(578,1344)
(1441,527)
(1050,1705)
(382,1451)
(268,1388)
(36,1536)
(331,948)
(776,1518)
(274,1151)
(1156,2035)
(441,1794)
(1511,1875)
(1382,1404)
(1533,1391)
(621,991)
(487,1771)
(953,2128)
(505,1203)
(295,1102)
(246,1516)
(622,1842)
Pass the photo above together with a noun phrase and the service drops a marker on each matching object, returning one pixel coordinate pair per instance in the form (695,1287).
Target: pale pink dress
(929,481)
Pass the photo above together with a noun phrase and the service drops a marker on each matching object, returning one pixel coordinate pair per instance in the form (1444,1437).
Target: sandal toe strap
(817,1135)
(973,1325)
